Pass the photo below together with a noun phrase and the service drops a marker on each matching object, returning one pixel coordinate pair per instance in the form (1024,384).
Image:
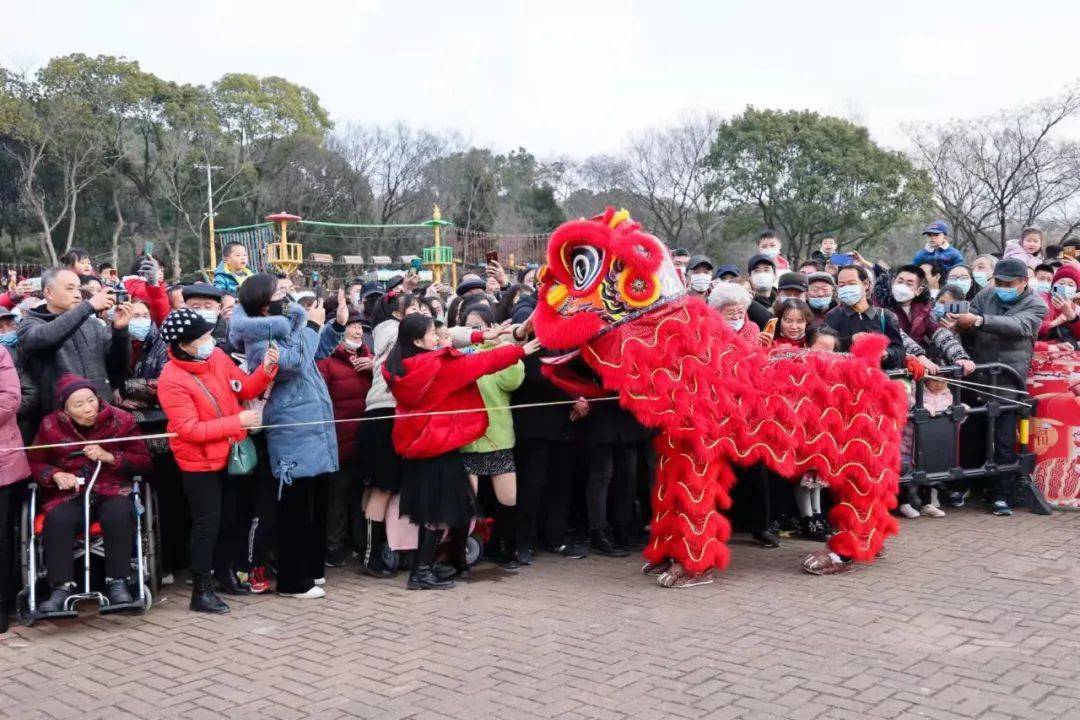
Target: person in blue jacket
(302,457)
(938,249)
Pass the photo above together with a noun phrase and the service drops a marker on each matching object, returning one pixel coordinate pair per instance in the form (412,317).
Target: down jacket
(204,430)
(348,390)
(1009,329)
(443,380)
(299,394)
(132,456)
(13,466)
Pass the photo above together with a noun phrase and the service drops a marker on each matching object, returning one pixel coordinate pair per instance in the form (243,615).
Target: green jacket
(496,389)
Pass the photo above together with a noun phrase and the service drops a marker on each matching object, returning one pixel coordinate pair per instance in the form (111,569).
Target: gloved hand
(148,269)
(916,368)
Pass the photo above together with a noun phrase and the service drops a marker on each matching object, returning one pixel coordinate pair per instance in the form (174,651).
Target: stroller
(91,544)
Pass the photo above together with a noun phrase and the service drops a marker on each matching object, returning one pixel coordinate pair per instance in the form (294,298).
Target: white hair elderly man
(731,300)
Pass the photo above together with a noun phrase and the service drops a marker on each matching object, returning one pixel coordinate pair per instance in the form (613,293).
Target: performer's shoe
(824,562)
(766,539)
(657,568)
(677,577)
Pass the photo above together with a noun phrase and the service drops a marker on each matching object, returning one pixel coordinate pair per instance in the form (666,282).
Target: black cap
(370,288)
(471,284)
(792,281)
(202,290)
(696,260)
(727,269)
(184,325)
(820,277)
(758,259)
(1010,269)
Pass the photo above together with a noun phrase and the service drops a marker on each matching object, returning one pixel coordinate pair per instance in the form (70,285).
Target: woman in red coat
(64,474)
(347,372)
(200,391)
(435,489)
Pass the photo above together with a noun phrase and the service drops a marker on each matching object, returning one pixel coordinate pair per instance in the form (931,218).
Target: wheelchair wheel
(148,600)
(391,558)
(22,608)
(151,557)
(474,549)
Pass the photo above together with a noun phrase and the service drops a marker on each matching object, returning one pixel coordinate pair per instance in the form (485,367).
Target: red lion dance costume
(610,293)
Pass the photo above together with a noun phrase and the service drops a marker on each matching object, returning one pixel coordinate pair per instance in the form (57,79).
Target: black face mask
(278,307)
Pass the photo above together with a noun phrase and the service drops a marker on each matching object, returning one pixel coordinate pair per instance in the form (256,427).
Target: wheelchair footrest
(135,606)
(58,615)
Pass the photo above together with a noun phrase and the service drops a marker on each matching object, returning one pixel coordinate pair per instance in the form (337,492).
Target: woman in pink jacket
(13,469)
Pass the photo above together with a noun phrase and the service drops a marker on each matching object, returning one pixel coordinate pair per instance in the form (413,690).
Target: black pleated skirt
(436,491)
(378,465)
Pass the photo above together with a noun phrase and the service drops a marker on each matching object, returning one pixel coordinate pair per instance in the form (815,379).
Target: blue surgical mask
(1007,295)
(9,339)
(771,252)
(819,303)
(139,328)
(209,316)
(962,283)
(736,325)
(981,278)
(204,351)
(1063,291)
(1043,286)
(938,312)
(849,294)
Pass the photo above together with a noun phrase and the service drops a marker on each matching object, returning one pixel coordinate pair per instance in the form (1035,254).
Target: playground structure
(379,251)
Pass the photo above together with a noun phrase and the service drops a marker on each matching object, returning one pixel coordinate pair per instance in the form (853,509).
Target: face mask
(1043,286)
(209,316)
(1007,295)
(736,325)
(350,344)
(18,315)
(962,283)
(8,339)
(981,278)
(934,293)
(204,351)
(1064,291)
(819,303)
(699,282)
(278,307)
(762,280)
(938,312)
(356,300)
(849,294)
(139,328)
(771,252)
(902,293)
(441,318)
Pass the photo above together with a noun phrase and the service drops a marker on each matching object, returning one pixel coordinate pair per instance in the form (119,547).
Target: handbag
(242,455)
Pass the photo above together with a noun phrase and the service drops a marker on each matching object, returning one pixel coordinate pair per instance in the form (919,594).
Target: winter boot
(373,564)
(203,598)
(600,541)
(55,602)
(423,575)
(229,584)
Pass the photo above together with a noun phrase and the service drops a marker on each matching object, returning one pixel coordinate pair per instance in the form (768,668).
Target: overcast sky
(579,77)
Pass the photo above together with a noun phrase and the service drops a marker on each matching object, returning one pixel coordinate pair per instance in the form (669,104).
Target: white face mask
(771,252)
(736,325)
(699,282)
(762,280)
(350,344)
(902,293)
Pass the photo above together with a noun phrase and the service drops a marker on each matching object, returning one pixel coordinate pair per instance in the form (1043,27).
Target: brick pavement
(968,617)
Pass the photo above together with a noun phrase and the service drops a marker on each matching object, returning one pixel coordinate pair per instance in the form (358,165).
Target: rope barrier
(965,386)
(434,413)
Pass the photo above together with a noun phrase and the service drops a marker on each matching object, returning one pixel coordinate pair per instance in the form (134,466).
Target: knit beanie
(1069,271)
(68,384)
(184,325)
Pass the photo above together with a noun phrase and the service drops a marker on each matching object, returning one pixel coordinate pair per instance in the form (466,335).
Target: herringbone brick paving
(968,617)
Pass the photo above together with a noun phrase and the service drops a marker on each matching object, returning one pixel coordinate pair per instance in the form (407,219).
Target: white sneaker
(167,579)
(909,512)
(933,511)
(314,593)
(320,581)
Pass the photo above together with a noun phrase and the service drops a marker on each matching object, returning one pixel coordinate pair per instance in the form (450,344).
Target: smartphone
(416,264)
(1058,290)
(491,257)
(842,259)
(148,248)
(957,308)
(1070,251)
(770,327)
(35,283)
(121,294)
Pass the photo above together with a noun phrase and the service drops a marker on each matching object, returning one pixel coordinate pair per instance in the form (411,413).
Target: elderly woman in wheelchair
(64,473)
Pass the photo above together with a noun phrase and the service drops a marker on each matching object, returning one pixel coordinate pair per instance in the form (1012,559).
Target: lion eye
(585,265)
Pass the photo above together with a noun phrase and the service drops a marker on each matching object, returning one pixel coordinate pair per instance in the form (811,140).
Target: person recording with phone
(1001,327)
(855,316)
(1062,322)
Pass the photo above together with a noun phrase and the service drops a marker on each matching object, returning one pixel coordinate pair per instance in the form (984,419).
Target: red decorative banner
(1056,428)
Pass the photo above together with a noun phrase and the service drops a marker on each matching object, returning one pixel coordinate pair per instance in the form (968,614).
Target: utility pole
(210,203)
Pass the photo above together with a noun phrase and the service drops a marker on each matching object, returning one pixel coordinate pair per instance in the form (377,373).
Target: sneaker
(167,579)
(1001,508)
(314,593)
(257,580)
(319,582)
(908,511)
(956,499)
(933,511)
(574,551)
(336,557)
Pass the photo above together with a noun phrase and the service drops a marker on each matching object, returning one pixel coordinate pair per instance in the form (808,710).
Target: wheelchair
(145,561)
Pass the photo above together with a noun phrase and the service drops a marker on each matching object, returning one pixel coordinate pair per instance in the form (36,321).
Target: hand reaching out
(317,313)
(342,317)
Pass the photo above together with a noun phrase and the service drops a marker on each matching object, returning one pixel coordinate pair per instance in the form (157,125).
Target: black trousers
(545,480)
(262,533)
(345,526)
(301,533)
(218,533)
(999,487)
(10,496)
(62,523)
(608,463)
(751,498)
(173,516)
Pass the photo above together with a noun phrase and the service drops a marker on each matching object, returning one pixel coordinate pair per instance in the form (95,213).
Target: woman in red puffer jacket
(435,490)
(347,372)
(200,391)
